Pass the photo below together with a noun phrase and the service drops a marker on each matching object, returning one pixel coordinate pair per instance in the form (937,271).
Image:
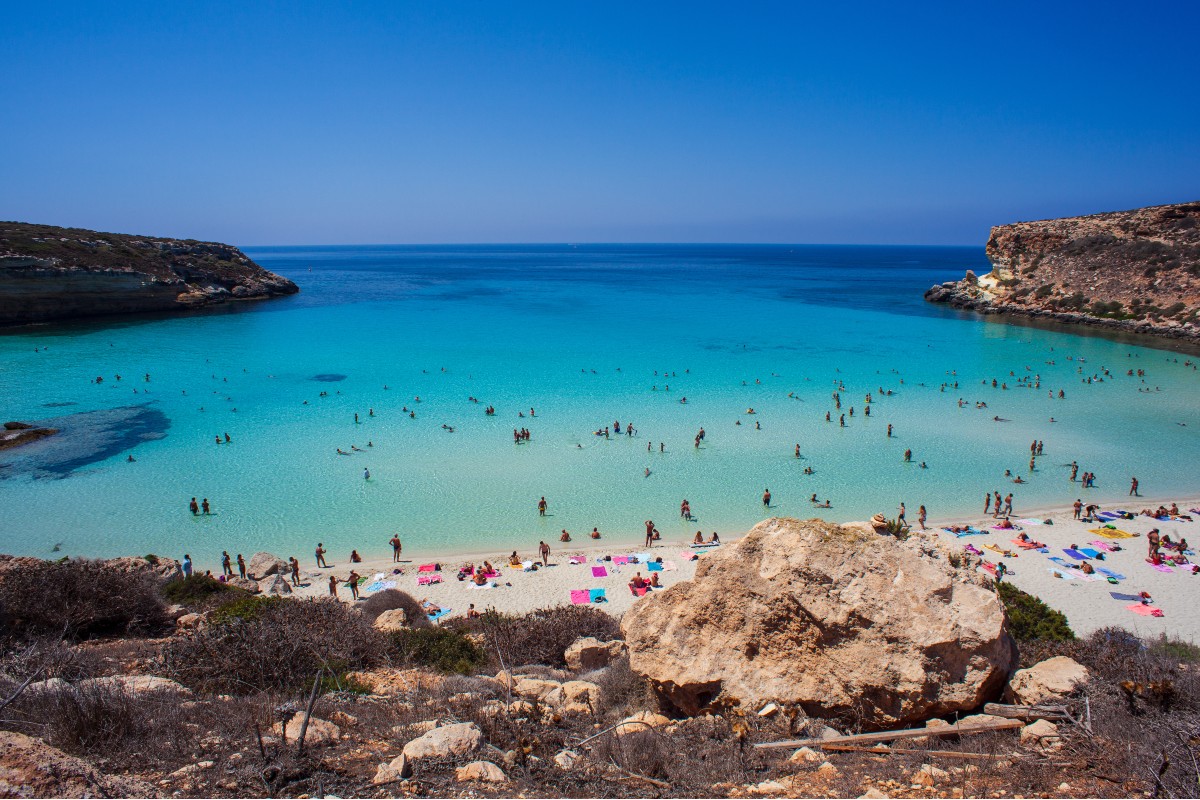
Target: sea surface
(565,341)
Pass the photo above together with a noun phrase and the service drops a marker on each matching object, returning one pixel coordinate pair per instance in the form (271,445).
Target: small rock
(343,719)
(928,775)
(484,771)
(188,621)
(805,755)
(190,770)
(449,740)
(566,759)
(535,688)
(641,721)
(767,788)
(395,619)
(827,770)
(1052,679)
(770,709)
(275,586)
(319,731)
(1042,734)
(874,794)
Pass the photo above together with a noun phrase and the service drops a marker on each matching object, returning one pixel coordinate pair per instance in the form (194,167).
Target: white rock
(449,740)
(484,771)
(1049,680)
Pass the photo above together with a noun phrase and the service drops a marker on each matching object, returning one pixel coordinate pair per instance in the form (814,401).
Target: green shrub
(243,609)
(1031,619)
(539,637)
(195,590)
(1176,649)
(442,649)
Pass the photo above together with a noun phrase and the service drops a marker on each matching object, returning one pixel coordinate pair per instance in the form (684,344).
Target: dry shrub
(279,648)
(622,691)
(390,600)
(539,637)
(45,658)
(79,598)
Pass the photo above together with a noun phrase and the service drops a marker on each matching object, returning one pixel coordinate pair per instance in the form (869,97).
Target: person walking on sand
(295,570)
(901,518)
(333,586)
(987,502)
(320,554)
(544,550)
(542,506)
(187,566)
(241,562)
(1078,507)
(921,517)
(1008,504)
(1133,487)
(396,548)
(226,570)
(353,581)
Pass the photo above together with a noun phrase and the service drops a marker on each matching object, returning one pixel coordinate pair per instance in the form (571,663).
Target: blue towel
(1075,554)
(1127,597)
(968,532)
(598,596)
(1111,574)
(1090,552)
(1107,516)
(1060,560)
(439,615)
(654,567)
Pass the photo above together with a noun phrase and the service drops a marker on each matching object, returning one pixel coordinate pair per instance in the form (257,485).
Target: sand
(1088,604)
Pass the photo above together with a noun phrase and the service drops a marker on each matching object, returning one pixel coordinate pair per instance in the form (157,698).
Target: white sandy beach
(1089,604)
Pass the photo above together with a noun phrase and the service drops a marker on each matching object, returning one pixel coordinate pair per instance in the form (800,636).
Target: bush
(195,590)
(539,637)
(1031,619)
(445,650)
(390,600)
(274,645)
(243,609)
(79,598)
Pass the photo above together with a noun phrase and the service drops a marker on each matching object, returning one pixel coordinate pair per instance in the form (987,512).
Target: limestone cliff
(51,273)
(1137,271)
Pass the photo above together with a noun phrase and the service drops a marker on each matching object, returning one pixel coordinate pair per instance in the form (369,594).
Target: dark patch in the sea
(328,377)
(85,439)
(59,405)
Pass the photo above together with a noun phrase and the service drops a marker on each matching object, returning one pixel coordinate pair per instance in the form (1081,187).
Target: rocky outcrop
(1046,681)
(835,620)
(262,565)
(588,653)
(51,273)
(31,768)
(1134,271)
(15,434)
(445,742)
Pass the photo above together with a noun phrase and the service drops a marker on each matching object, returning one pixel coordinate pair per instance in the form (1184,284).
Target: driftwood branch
(849,748)
(1026,712)
(20,689)
(635,776)
(910,733)
(312,701)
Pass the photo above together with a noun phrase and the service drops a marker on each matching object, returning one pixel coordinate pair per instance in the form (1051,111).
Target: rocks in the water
(262,565)
(32,768)
(588,653)
(833,619)
(395,619)
(319,731)
(447,741)
(1052,679)
(483,771)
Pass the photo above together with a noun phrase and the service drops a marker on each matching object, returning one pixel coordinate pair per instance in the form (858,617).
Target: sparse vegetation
(1029,619)
(444,650)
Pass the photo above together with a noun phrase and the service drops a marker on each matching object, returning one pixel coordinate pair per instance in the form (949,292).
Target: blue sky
(297,123)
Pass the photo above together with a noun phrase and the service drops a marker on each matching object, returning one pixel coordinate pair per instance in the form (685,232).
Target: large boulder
(395,619)
(589,653)
(263,564)
(1049,680)
(31,768)
(832,619)
(445,742)
(275,586)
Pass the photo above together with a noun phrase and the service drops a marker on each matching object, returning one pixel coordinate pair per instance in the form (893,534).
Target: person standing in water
(205,507)
(194,507)
(396,547)
(766,498)
(542,505)
(1133,487)
(921,516)
(187,566)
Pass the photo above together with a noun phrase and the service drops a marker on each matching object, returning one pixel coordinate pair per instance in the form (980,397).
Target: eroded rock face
(31,768)
(833,619)
(264,564)
(588,653)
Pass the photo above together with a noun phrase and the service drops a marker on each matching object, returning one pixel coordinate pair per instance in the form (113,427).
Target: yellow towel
(1111,533)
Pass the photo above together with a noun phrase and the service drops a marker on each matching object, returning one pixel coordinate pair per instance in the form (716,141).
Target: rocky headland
(50,273)
(1134,271)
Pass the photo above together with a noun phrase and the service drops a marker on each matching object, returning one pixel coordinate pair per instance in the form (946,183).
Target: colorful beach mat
(599,572)
(1145,611)
(1111,533)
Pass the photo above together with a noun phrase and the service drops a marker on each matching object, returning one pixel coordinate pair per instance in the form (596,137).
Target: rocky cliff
(1137,271)
(50,273)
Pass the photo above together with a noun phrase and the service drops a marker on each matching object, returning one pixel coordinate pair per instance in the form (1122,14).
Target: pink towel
(1145,611)
(620,559)
(580,597)
(1163,568)
(1105,546)
(427,580)
(668,566)
(688,555)
(639,592)
(492,574)
(427,568)
(599,572)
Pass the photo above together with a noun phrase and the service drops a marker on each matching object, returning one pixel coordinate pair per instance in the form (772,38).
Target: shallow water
(586,336)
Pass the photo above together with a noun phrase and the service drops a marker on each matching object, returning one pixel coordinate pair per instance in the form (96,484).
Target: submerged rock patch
(84,439)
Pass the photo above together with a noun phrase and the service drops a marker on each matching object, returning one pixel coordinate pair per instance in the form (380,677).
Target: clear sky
(330,122)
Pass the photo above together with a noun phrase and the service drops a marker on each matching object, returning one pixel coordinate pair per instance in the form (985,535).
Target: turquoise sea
(586,336)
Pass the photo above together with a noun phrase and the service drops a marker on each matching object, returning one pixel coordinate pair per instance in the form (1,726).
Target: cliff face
(51,273)
(1133,270)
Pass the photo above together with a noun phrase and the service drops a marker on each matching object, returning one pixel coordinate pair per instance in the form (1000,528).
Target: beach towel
(643,557)
(1075,554)
(598,596)
(1026,545)
(968,532)
(707,544)
(1060,560)
(580,597)
(1163,568)
(1000,550)
(429,580)
(379,586)
(687,555)
(527,566)
(1126,597)
(1108,516)
(1091,552)
(1145,611)
(439,615)
(599,572)
(988,566)
(1060,573)
(576,560)
(1111,574)
(654,567)
(620,559)
(1105,546)
(973,550)
(488,585)
(1111,533)
(1016,528)
(669,566)
(639,592)
(427,568)
(1031,522)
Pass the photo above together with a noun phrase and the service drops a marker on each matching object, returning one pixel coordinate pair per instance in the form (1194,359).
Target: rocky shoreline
(1136,272)
(49,273)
